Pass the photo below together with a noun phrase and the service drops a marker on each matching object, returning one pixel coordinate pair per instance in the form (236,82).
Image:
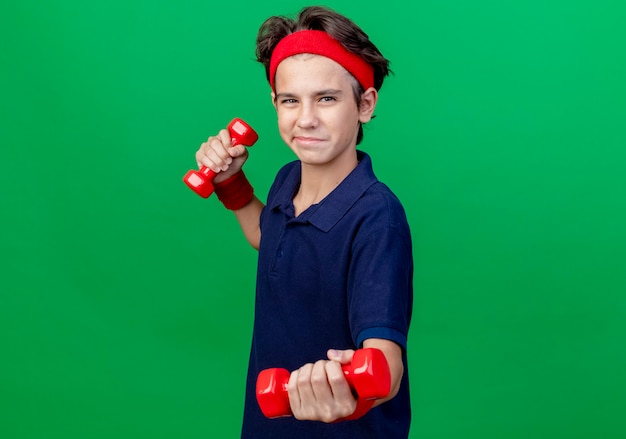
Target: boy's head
(321,31)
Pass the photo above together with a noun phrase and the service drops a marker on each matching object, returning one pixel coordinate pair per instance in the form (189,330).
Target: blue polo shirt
(339,273)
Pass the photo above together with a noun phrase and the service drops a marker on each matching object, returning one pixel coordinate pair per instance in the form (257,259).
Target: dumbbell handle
(368,375)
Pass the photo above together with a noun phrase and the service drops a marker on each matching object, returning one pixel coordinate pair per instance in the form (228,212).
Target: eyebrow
(326,92)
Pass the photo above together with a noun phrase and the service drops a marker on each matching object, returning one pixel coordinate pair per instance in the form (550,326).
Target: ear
(273,99)
(369,98)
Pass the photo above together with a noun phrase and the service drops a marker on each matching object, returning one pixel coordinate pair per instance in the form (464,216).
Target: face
(318,117)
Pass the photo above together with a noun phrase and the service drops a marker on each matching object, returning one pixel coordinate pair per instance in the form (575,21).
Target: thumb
(238,151)
(340,356)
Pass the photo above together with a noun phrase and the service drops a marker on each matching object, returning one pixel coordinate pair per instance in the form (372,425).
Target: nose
(307,116)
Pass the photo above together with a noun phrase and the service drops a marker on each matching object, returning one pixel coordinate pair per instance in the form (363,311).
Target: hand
(320,392)
(219,155)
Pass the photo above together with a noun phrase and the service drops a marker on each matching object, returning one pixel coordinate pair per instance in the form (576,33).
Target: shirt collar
(336,204)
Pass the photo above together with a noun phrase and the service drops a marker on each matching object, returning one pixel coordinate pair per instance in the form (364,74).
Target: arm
(393,354)
(248,217)
(218,154)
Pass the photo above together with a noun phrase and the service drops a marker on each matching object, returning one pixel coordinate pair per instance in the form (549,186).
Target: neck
(320,180)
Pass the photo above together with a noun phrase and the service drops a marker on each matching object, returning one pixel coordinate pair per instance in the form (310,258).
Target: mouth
(308,141)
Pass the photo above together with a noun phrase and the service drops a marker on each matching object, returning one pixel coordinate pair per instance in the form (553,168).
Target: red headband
(319,42)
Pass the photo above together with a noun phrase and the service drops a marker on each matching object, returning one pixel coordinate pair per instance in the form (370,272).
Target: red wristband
(234,192)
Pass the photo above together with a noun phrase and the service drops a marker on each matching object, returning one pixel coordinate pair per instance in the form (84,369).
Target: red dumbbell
(201,182)
(368,376)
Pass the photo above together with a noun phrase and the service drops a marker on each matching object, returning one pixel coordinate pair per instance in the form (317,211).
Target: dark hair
(337,26)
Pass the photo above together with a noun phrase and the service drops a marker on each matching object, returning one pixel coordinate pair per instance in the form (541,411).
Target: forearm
(249,217)
(393,354)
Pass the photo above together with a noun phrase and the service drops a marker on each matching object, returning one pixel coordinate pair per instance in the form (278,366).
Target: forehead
(306,70)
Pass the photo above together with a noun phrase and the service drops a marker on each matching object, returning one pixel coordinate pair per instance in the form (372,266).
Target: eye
(288,101)
(328,99)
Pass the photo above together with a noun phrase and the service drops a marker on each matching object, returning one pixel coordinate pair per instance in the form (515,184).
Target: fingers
(217,153)
(341,356)
(214,152)
(339,386)
(320,392)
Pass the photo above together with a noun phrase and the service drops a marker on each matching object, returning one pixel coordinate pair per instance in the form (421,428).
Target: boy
(335,259)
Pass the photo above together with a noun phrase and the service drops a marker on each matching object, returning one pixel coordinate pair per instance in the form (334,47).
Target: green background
(126,300)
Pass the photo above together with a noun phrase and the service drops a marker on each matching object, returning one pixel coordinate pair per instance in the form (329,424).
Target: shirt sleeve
(380,290)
